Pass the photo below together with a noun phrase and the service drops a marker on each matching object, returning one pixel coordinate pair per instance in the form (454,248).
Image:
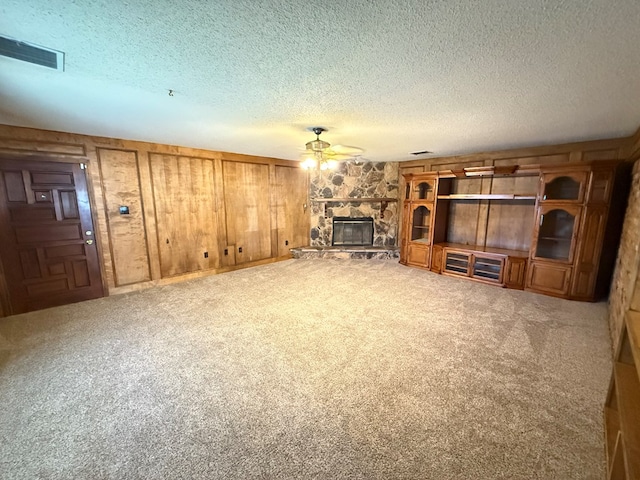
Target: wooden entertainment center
(551,229)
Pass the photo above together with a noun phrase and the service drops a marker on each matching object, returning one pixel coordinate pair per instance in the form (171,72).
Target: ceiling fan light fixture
(317,156)
(317,145)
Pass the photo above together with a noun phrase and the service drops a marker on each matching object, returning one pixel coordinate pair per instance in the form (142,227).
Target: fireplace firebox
(352,231)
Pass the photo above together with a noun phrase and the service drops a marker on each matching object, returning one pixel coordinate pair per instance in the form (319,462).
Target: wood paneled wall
(247,202)
(119,171)
(186,206)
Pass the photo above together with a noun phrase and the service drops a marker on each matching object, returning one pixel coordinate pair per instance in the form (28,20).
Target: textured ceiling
(389,76)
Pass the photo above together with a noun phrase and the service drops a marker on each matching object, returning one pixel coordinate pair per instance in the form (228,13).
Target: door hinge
(83,166)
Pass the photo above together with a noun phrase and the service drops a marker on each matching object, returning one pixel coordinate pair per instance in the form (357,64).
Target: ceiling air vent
(27,52)
(422,152)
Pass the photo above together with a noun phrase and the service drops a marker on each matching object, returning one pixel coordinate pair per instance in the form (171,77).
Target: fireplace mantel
(384,201)
(353,199)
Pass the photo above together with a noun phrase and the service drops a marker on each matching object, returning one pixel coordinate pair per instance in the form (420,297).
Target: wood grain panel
(510,224)
(453,164)
(246,193)
(127,235)
(464,216)
(14,185)
(31,145)
(513,156)
(600,185)
(515,272)
(537,160)
(515,185)
(292,216)
(608,154)
(32,234)
(69,204)
(50,178)
(183,190)
(549,278)
(28,213)
(463,222)
(30,263)
(418,255)
(588,256)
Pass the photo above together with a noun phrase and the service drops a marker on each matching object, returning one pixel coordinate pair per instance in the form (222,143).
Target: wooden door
(563,186)
(585,271)
(47,238)
(247,208)
(555,232)
(515,272)
(549,278)
(418,255)
(292,215)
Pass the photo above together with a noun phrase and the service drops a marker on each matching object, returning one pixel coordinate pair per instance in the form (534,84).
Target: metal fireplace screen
(352,231)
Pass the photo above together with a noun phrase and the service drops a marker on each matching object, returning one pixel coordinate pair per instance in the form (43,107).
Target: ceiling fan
(321,155)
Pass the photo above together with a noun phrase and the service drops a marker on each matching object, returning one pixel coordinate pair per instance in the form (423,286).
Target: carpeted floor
(325,369)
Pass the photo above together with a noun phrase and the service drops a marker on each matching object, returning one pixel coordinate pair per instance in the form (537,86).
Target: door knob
(89,242)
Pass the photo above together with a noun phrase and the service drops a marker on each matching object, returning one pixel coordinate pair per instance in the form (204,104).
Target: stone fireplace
(353,191)
(348,191)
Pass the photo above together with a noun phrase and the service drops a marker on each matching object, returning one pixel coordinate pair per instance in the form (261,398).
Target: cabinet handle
(541,219)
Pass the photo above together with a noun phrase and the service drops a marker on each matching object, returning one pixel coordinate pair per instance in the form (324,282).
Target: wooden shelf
(481,249)
(486,196)
(612,427)
(622,409)
(628,394)
(555,239)
(633,331)
(353,199)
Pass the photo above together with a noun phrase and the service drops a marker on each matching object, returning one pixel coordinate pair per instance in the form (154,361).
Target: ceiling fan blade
(338,156)
(347,150)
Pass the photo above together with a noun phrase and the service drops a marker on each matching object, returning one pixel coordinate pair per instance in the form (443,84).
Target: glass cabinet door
(457,262)
(423,190)
(555,232)
(421,224)
(563,187)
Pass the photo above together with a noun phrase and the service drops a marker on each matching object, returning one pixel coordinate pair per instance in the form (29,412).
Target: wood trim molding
(15,138)
(606,145)
(634,146)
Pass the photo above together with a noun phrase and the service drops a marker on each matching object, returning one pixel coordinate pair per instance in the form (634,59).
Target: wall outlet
(206,254)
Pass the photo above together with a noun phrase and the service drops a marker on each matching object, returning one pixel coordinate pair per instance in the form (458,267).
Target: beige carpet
(327,369)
